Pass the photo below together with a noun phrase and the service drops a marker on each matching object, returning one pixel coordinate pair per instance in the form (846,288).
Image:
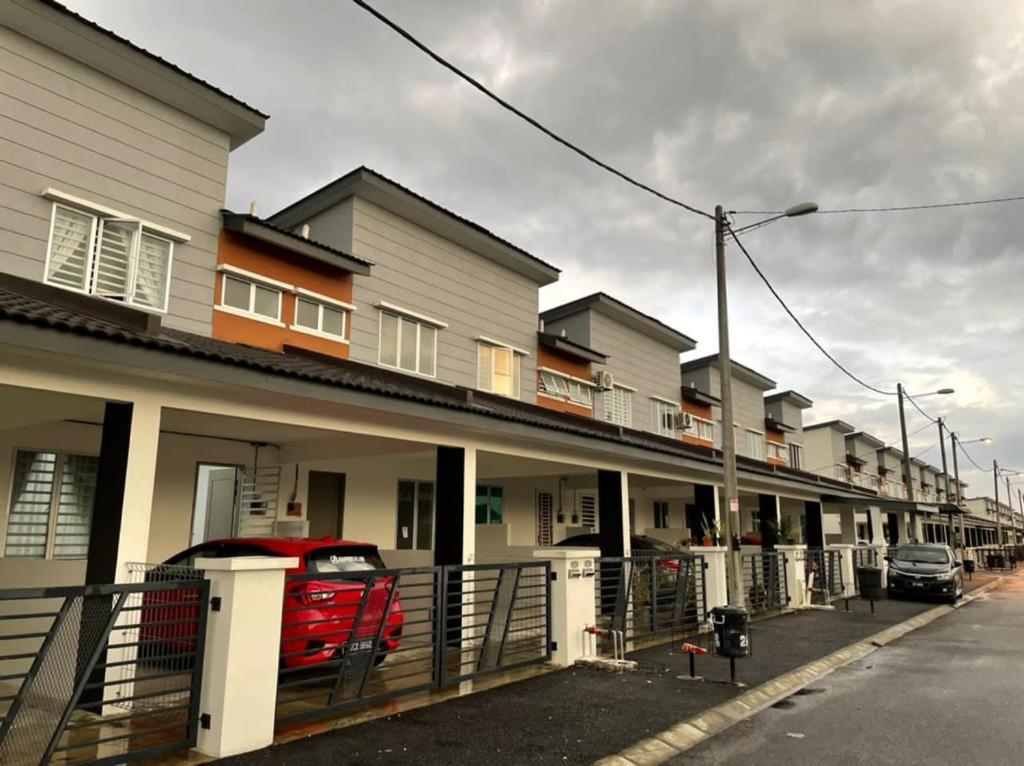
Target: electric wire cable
(918,408)
(800,324)
(967,455)
(522,115)
(894,208)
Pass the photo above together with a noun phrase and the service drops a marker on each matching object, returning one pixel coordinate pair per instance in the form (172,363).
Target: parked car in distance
(318,614)
(926,569)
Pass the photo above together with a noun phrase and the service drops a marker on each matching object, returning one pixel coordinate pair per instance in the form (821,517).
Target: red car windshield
(326,560)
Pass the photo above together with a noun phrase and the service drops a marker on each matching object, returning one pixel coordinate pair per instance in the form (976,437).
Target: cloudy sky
(749,104)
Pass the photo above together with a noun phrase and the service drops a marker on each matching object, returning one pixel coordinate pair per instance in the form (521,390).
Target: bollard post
(794,573)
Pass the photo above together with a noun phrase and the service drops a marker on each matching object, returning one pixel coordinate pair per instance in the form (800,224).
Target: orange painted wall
(555,361)
(276,263)
(775,437)
(700,411)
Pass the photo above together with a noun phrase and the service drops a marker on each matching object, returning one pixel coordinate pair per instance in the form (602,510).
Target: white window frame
(619,391)
(660,409)
(566,388)
(318,331)
(760,450)
(777,451)
(54,510)
(252,280)
(696,424)
(797,451)
(418,320)
(515,355)
(98,214)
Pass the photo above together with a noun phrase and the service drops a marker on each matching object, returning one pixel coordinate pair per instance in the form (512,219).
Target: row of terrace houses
(363,364)
(331,369)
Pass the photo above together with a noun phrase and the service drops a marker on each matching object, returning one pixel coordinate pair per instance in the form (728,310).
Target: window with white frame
(755,445)
(497,369)
(407,343)
(415,519)
(248,296)
(319,317)
(701,428)
(563,387)
(778,452)
(618,406)
(51,505)
(796,456)
(663,417)
(115,258)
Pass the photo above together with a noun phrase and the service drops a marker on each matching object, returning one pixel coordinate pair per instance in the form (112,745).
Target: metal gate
(764,581)
(823,572)
(100,673)
(649,596)
(354,638)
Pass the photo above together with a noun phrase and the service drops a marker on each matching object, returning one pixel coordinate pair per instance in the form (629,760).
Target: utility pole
(956,480)
(999,514)
(906,462)
(1009,504)
(731,516)
(945,473)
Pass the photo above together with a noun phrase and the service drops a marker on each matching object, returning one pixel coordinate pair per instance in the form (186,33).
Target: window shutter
(153,273)
(588,511)
(545,502)
(116,248)
(74,506)
(483,367)
(70,248)
(28,523)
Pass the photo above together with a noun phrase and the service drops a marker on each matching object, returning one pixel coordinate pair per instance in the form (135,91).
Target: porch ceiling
(24,407)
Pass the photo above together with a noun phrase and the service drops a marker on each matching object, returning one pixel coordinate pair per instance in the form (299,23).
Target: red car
(318,613)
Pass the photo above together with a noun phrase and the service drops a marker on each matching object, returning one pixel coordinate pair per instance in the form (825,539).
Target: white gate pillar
(794,564)
(714,576)
(573,599)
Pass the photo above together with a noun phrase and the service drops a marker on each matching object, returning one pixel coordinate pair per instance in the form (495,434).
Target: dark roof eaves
(348,261)
(602,298)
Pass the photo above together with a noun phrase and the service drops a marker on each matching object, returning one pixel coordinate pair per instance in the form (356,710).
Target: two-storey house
(638,383)
(784,428)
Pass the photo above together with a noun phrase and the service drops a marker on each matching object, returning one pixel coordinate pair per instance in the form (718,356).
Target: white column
(469,507)
(715,588)
(573,599)
(847,565)
(243,646)
(916,531)
(140,477)
(875,514)
(626,547)
(795,584)
(902,527)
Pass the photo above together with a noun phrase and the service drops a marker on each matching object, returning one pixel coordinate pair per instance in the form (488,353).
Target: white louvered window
(663,417)
(51,505)
(618,406)
(115,258)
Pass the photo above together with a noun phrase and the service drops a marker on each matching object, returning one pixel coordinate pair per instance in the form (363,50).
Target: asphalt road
(949,693)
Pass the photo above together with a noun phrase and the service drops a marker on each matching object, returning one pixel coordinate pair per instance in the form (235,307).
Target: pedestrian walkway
(577,715)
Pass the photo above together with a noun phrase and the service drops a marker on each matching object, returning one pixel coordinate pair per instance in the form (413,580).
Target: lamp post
(1007,472)
(730,519)
(950,535)
(900,393)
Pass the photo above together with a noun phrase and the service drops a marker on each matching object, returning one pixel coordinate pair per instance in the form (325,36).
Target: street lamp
(731,518)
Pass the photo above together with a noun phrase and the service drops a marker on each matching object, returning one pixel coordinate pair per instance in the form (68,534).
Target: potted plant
(784,530)
(709,527)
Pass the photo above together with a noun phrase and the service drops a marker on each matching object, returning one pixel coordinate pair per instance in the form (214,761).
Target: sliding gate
(100,673)
(358,637)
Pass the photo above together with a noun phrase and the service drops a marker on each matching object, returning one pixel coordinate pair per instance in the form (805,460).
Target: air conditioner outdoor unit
(682,421)
(604,380)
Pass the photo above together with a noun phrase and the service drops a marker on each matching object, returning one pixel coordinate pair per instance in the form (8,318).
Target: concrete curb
(686,734)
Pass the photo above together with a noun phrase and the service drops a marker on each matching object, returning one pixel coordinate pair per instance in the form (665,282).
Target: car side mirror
(958,563)
(887,558)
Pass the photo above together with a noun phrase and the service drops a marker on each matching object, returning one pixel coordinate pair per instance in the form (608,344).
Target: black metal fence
(352,638)
(996,558)
(100,673)
(765,586)
(648,596)
(865,557)
(823,573)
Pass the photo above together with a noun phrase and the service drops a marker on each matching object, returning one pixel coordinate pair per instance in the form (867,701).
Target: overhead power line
(800,324)
(967,455)
(523,116)
(894,208)
(918,408)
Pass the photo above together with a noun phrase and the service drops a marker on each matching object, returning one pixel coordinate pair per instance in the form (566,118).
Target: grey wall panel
(425,273)
(68,127)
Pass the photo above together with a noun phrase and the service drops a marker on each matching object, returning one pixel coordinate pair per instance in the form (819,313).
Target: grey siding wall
(423,272)
(747,404)
(69,127)
(792,416)
(636,360)
(576,327)
(823,448)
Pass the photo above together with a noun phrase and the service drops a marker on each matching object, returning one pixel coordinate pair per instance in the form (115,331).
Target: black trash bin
(732,630)
(869,583)
(969,566)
